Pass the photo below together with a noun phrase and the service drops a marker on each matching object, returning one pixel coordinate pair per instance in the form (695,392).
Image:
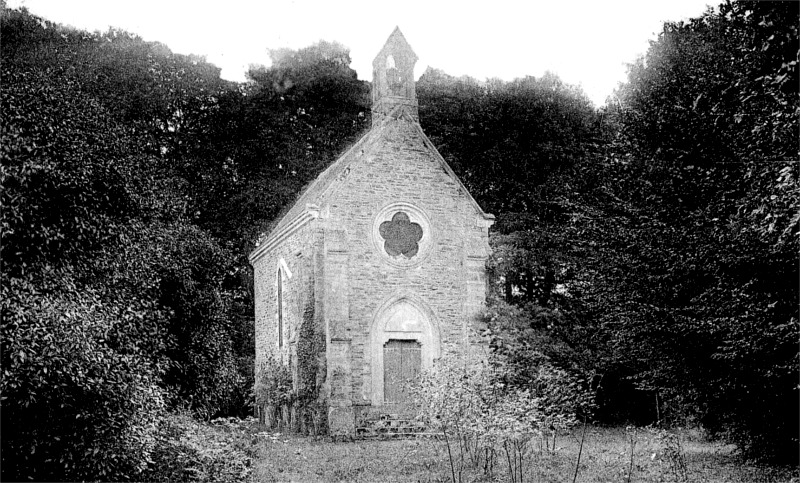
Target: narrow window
(393,77)
(280,308)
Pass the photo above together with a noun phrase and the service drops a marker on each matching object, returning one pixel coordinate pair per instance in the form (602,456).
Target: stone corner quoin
(379,268)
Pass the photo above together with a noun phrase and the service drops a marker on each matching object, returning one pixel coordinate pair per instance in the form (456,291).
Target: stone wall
(450,278)
(296,256)
(337,270)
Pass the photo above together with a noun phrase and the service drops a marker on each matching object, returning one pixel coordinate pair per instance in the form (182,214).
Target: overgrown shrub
(529,354)
(487,422)
(77,404)
(273,392)
(279,405)
(187,450)
(114,305)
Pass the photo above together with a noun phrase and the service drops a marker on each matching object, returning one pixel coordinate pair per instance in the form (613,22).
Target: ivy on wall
(299,404)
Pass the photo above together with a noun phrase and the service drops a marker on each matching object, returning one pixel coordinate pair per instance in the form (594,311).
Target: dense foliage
(513,144)
(705,164)
(652,247)
(645,252)
(270,137)
(125,286)
(487,422)
(77,380)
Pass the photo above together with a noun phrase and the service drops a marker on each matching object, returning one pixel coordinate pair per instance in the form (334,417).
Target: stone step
(389,426)
(400,436)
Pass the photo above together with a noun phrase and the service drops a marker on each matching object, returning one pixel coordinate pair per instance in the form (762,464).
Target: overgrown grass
(231,450)
(188,450)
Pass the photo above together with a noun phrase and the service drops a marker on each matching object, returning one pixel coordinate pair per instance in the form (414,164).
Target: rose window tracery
(401,235)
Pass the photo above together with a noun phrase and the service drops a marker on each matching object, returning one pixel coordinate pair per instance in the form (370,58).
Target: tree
(115,306)
(700,172)
(513,144)
(267,141)
(68,391)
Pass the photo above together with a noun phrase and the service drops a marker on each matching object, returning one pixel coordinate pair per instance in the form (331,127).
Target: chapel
(379,268)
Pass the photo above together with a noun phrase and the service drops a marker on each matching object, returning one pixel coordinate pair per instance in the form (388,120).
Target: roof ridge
(332,187)
(328,182)
(308,195)
(450,172)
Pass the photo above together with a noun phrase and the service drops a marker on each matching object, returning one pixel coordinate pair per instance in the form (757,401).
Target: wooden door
(402,362)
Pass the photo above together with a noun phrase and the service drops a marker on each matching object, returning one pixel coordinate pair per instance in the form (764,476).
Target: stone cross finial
(393,88)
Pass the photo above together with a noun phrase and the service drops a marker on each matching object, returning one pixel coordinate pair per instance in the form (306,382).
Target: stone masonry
(386,245)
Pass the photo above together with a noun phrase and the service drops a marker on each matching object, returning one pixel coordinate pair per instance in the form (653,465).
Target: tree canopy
(658,237)
(647,249)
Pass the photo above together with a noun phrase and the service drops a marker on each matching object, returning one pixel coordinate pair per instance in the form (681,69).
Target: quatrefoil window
(401,235)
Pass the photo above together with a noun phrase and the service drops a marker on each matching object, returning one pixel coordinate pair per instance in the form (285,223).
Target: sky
(584,42)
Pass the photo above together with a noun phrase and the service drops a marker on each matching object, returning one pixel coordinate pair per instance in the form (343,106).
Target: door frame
(426,332)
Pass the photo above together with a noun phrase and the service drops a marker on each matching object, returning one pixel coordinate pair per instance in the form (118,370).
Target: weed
(222,450)
(673,455)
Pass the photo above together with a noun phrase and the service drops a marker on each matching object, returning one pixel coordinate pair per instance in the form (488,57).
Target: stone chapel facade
(382,260)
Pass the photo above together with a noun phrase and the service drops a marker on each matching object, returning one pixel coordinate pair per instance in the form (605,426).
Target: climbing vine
(273,391)
(289,397)
(310,409)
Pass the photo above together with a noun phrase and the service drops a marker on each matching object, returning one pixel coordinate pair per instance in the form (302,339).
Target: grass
(606,457)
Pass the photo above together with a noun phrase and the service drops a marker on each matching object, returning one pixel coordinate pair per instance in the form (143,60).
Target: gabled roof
(396,43)
(392,114)
(318,192)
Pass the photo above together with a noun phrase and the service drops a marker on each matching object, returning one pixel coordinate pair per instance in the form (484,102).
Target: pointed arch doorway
(404,342)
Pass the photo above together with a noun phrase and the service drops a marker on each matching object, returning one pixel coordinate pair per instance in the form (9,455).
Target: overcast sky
(585,42)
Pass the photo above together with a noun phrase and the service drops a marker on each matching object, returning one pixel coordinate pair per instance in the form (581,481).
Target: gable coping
(486,219)
(312,211)
(486,216)
(288,225)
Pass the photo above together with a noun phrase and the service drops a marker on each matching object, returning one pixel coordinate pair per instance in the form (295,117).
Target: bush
(482,418)
(113,304)
(529,355)
(273,392)
(76,404)
(291,404)
(187,450)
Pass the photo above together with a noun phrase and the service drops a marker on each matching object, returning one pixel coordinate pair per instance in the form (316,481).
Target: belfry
(379,268)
